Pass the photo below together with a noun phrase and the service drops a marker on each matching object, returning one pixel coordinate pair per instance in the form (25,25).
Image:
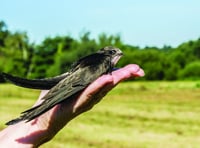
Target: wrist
(16,136)
(25,135)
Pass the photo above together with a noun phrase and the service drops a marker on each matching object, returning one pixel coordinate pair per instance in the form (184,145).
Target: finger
(131,70)
(98,84)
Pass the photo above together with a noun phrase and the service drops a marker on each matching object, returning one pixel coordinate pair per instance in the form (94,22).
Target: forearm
(16,136)
(38,131)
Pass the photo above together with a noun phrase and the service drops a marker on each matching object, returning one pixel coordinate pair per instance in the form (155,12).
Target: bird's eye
(112,52)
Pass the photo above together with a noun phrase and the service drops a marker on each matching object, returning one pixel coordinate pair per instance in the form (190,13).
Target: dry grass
(134,114)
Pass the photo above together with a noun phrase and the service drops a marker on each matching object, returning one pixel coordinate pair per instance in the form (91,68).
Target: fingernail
(141,73)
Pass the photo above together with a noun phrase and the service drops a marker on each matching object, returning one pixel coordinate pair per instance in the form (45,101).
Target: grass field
(133,115)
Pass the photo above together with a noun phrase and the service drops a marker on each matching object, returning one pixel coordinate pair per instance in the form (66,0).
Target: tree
(3,32)
(191,71)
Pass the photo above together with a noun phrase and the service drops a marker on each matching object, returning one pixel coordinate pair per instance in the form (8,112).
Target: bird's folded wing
(60,92)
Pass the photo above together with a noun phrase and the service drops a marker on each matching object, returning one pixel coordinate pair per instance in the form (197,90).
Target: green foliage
(55,55)
(191,71)
(15,51)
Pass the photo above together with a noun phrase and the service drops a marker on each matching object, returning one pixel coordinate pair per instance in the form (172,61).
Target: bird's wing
(44,84)
(64,90)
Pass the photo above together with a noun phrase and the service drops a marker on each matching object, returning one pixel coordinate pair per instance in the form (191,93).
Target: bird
(64,87)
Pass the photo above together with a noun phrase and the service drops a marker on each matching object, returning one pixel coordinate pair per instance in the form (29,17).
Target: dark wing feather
(62,91)
(44,84)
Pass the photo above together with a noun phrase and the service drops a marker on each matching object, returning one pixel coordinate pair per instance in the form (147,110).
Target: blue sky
(139,22)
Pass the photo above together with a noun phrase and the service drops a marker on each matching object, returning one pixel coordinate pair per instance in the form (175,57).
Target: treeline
(54,55)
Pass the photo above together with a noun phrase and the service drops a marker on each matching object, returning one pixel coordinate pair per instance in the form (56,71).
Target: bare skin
(46,126)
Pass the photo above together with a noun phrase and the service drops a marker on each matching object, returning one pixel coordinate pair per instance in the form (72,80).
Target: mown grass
(134,114)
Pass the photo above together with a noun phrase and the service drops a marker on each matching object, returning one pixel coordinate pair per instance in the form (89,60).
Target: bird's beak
(120,54)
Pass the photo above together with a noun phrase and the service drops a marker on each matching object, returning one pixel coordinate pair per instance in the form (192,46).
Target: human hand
(45,127)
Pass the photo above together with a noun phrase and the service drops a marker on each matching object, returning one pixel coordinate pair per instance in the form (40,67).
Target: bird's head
(114,53)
